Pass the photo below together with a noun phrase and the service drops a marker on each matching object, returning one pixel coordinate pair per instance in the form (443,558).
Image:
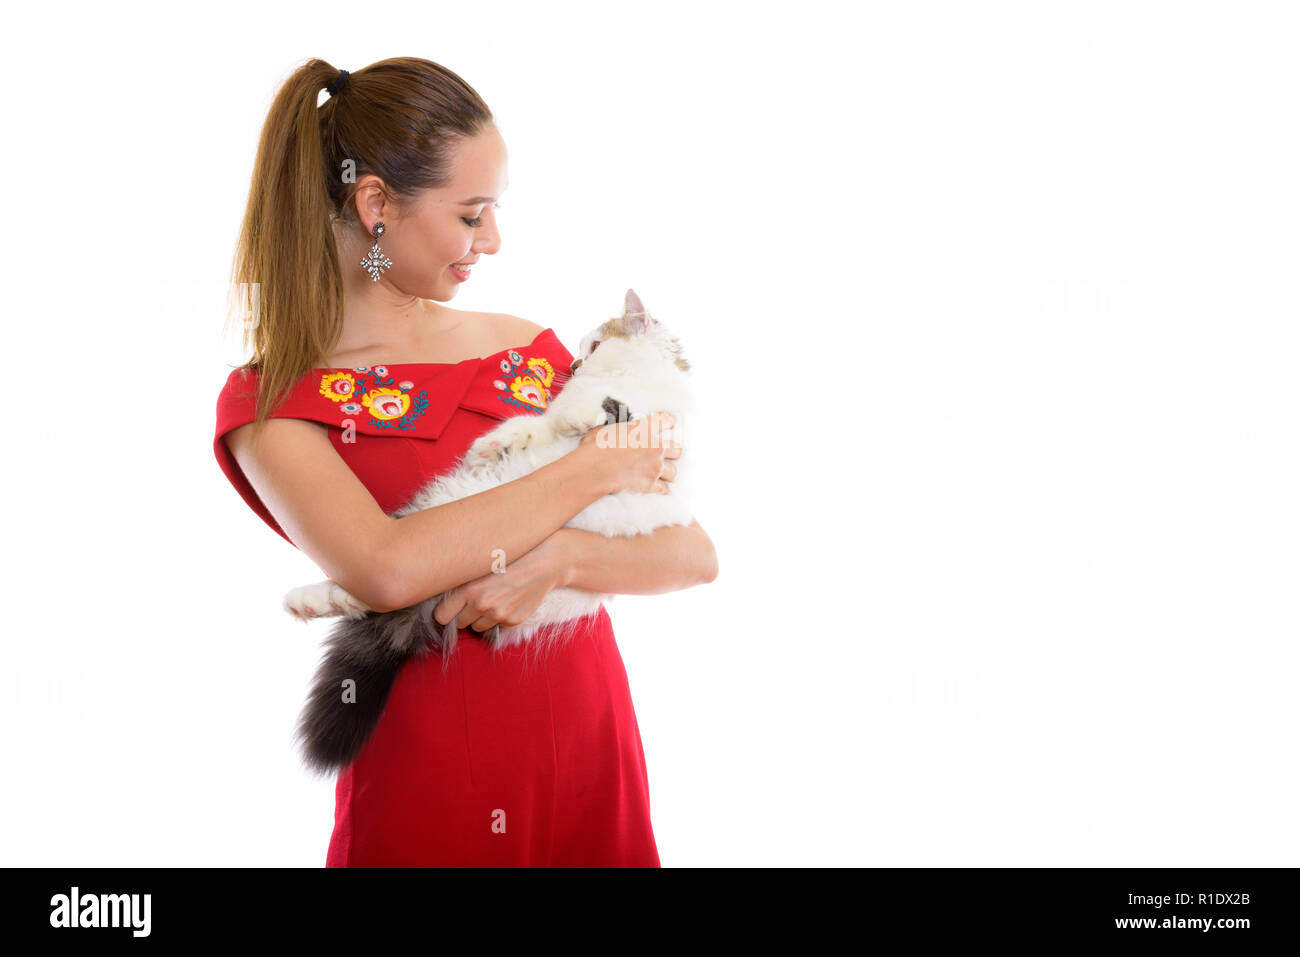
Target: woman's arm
(393,563)
(668,559)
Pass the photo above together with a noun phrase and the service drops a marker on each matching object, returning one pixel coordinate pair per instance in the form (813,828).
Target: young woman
(364,216)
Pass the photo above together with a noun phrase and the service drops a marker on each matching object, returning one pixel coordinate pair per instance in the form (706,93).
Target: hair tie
(339,82)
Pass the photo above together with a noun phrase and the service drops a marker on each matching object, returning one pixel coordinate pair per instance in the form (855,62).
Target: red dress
(501,761)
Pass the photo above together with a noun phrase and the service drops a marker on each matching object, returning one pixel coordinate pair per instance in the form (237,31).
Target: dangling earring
(376,262)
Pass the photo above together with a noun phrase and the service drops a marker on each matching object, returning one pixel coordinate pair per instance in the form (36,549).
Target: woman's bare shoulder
(514,330)
(496,330)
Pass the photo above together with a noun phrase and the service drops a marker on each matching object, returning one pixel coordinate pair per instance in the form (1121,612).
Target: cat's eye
(477,221)
(594,343)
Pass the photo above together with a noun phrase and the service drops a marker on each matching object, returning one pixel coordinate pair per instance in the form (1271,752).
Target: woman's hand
(507,597)
(631,455)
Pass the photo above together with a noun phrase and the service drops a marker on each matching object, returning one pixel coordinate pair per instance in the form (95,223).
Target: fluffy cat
(639,368)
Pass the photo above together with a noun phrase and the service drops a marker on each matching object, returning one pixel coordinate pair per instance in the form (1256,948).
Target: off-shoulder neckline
(436,365)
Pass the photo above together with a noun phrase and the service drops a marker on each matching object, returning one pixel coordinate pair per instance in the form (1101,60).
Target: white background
(993,312)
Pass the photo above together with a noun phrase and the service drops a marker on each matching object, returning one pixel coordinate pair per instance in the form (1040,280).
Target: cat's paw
(346,603)
(513,435)
(308,601)
(484,451)
(578,422)
(323,600)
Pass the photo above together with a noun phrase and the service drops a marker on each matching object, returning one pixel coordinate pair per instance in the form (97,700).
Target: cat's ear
(637,320)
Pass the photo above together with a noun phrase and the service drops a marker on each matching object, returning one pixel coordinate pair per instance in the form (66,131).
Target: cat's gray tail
(362,659)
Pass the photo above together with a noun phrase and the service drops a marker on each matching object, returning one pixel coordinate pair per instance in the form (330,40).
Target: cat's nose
(574,366)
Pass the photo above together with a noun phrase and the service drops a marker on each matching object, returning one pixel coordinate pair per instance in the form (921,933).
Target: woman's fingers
(448,608)
(455,606)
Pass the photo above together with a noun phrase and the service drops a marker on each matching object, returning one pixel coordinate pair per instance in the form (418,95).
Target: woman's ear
(371,203)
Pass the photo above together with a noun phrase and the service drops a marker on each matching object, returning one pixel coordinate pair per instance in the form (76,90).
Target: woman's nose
(488,239)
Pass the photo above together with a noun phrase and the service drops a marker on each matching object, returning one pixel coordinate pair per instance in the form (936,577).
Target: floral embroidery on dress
(391,405)
(529,385)
(542,370)
(338,386)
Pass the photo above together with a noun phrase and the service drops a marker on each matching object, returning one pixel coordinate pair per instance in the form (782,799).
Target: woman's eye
(477,221)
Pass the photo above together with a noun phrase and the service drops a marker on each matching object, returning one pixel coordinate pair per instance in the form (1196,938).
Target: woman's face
(441,229)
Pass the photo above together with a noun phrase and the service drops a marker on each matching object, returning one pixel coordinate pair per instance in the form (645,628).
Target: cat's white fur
(639,371)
